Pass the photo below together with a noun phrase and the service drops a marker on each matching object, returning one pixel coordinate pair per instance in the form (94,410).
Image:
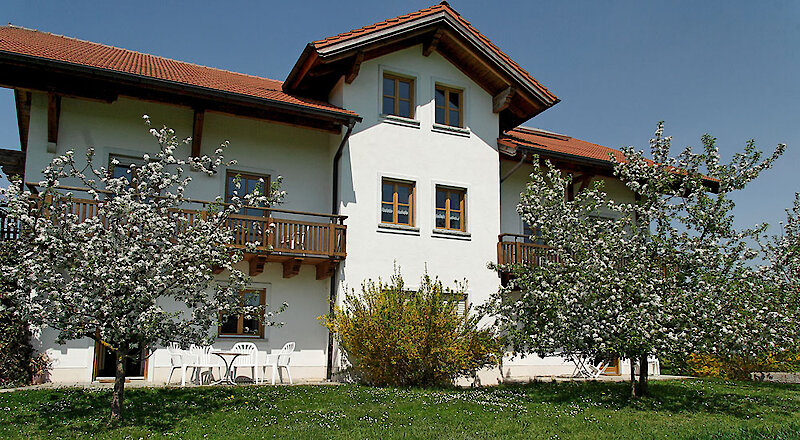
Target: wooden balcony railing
(8,227)
(280,235)
(518,249)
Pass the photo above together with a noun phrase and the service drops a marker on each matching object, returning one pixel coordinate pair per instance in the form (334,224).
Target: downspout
(335,210)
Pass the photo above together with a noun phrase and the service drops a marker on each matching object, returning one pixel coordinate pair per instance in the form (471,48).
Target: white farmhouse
(399,143)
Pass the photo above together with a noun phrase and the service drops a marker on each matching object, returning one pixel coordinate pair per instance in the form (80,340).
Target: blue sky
(728,68)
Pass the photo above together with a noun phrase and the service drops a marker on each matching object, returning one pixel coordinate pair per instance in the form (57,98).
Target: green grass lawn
(706,409)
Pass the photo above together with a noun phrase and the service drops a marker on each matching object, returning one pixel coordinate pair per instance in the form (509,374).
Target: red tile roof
(558,143)
(563,144)
(441,7)
(18,40)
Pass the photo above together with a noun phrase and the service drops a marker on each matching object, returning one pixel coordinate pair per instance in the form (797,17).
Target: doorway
(613,368)
(105,364)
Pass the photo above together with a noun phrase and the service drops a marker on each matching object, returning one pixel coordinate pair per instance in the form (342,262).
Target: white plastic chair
(585,369)
(201,359)
(178,359)
(281,360)
(247,360)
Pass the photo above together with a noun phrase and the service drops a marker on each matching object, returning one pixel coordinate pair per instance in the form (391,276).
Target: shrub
(741,367)
(15,344)
(399,337)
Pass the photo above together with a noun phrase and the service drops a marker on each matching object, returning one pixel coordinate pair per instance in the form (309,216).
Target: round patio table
(224,355)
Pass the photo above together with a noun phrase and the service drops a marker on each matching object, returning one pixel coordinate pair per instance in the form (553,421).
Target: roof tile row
(18,40)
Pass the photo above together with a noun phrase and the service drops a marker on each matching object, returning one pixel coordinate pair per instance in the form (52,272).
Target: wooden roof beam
(197,131)
(502,100)
(23,102)
(429,46)
(53,115)
(352,72)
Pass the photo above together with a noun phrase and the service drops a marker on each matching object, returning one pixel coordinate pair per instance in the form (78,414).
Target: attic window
(398,96)
(449,106)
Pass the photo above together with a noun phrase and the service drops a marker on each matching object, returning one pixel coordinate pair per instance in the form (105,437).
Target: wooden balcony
(290,238)
(518,249)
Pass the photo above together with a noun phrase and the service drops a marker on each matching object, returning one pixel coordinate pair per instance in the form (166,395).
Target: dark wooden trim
(12,162)
(585,180)
(197,131)
(354,68)
(502,100)
(291,267)
(257,263)
(22,98)
(429,46)
(325,269)
(53,115)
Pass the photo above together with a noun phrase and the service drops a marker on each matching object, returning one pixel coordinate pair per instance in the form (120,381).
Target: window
(397,202)
(248,183)
(449,105)
(461,302)
(529,232)
(398,96)
(123,166)
(451,208)
(241,326)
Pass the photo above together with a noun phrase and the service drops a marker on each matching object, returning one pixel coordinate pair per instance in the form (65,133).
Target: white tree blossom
(116,275)
(667,274)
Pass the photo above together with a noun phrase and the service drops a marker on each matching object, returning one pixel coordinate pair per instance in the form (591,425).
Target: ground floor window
(245,326)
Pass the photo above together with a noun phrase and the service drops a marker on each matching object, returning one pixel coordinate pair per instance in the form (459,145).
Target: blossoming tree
(140,270)
(666,274)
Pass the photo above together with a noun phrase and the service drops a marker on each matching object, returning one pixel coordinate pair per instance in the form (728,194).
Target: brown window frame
(396,97)
(447,91)
(395,204)
(448,209)
(249,176)
(262,300)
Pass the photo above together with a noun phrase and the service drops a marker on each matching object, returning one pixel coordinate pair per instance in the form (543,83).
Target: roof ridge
(66,37)
(441,5)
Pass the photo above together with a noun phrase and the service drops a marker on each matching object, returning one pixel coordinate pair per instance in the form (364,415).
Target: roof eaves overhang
(429,23)
(12,59)
(550,154)
(513,149)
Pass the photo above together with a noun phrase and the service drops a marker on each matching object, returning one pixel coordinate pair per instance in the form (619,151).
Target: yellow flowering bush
(400,337)
(700,364)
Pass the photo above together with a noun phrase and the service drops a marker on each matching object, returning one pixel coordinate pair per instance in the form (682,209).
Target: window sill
(399,120)
(398,229)
(454,235)
(447,129)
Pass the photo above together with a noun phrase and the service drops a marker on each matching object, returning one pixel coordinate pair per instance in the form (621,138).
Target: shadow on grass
(75,412)
(81,412)
(742,400)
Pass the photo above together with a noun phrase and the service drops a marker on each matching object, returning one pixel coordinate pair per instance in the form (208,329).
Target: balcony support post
(291,267)
(257,263)
(326,269)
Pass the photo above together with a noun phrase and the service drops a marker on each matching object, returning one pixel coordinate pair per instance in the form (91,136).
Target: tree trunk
(119,389)
(634,389)
(643,367)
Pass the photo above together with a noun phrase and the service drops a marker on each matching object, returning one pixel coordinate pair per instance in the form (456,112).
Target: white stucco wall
(379,147)
(301,156)
(415,152)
